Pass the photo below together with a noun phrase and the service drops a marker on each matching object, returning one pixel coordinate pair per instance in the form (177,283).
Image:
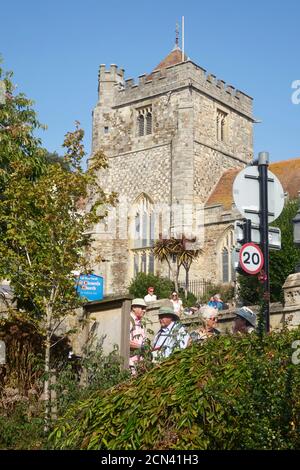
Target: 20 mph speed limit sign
(251,258)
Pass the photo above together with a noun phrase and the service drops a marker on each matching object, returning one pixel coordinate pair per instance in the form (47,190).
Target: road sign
(251,258)
(239,235)
(246,195)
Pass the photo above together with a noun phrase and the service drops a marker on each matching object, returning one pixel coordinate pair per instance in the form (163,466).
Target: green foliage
(45,235)
(53,158)
(282,262)
(162,287)
(18,122)
(46,215)
(21,431)
(191,299)
(180,250)
(226,292)
(99,372)
(250,290)
(232,392)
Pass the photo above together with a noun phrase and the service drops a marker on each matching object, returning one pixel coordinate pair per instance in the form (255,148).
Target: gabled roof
(287,171)
(175,57)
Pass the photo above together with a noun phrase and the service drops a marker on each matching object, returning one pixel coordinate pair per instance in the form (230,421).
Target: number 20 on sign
(251,258)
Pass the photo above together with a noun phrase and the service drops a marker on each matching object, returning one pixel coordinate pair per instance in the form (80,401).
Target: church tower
(168,139)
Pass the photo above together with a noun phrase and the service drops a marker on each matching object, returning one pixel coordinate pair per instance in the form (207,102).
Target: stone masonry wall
(212,157)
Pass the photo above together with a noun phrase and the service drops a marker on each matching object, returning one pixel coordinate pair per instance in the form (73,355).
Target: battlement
(177,76)
(113,74)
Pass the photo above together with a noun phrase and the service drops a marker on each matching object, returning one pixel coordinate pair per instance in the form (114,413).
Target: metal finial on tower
(177,36)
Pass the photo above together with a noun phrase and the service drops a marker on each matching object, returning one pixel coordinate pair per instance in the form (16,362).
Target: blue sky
(55,48)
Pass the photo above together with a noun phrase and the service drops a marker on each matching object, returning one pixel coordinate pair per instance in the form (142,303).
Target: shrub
(250,290)
(97,371)
(162,287)
(21,431)
(282,262)
(232,392)
(191,298)
(226,292)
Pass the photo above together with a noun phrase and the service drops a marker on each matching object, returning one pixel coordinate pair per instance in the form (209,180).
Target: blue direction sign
(90,286)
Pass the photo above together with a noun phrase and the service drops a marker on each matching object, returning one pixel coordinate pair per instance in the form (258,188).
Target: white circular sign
(251,258)
(246,194)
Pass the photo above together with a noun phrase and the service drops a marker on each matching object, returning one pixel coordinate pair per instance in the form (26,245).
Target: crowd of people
(172,335)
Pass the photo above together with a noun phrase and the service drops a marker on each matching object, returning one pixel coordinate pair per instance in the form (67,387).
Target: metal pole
(263,162)
(182,38)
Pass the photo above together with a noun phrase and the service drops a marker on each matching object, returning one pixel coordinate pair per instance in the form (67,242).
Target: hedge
(232,392)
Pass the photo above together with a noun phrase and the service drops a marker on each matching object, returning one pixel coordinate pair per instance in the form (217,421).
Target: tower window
(149,123)
(221,125)
(106,130)
(141,125)
(144,121)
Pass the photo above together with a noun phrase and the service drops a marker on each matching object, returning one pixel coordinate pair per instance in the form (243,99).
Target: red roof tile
(287,171)
(175,57)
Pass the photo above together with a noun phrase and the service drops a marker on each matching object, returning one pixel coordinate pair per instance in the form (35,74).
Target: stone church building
(175,142)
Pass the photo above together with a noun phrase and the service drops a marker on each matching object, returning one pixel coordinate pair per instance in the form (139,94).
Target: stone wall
(110,317)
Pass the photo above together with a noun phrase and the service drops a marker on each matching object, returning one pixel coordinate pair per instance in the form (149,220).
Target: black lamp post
(296,224)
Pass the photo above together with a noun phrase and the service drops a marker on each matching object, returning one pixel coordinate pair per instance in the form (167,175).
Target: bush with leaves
(282,262)
(226,292)
(162,287)
(21,430)
(232,392)
(79,377)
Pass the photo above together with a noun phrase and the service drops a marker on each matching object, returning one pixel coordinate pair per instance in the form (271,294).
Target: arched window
(144,121)
(151,263)
(143,234)
(149,123)
(144,263)
(225,248)
(221,125)
(136,264)
(225,265)
(141,125)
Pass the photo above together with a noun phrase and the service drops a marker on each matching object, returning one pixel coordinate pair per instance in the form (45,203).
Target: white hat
(138,303)
(247,314)
(208,312)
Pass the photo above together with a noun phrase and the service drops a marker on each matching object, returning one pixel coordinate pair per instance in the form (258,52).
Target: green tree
(162,287)
(47,235)
(18,122)
(177,252)
(282,262)
(53,157)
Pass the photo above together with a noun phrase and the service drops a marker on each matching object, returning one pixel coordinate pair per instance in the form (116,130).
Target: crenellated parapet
(113,74)
(184,74)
